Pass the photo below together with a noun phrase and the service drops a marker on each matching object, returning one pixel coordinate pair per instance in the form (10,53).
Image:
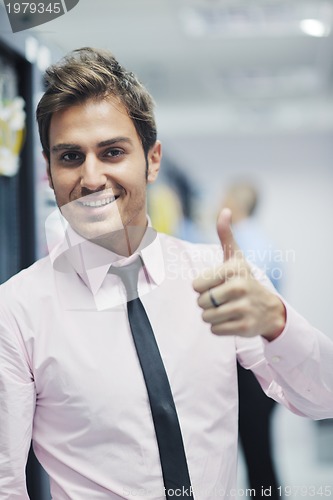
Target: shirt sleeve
(17,404)
(296,369)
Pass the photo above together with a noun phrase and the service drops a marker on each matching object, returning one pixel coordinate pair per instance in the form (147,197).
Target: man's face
(98,168)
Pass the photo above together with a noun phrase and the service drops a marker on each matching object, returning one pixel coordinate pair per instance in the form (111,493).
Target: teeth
(98,203)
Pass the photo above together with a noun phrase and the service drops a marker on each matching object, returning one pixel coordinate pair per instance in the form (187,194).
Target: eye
(114,152)
(71,156)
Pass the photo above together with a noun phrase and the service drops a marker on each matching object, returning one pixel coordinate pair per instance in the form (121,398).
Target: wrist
(278,320)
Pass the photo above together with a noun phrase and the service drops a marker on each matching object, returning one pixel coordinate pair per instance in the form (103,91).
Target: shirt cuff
(294,345)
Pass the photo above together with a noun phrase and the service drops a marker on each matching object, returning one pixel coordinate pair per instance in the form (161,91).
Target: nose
(93,175)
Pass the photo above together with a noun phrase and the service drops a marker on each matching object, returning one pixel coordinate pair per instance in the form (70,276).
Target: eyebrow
(77,147)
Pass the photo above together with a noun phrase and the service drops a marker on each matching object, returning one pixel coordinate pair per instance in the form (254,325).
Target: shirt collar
(92,262)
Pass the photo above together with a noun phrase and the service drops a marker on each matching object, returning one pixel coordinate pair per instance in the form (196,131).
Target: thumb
(228,242)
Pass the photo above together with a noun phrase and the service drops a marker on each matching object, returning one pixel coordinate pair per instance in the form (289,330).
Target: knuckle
(196,287)
(215,329)
(240,287)
(200,301)
(246,307)
(218,273)
(243,327)
(238,311)
(205,316)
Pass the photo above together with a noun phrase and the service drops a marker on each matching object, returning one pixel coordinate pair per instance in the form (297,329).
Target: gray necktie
(169,438)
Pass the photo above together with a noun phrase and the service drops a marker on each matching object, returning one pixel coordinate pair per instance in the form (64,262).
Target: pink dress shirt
(70,378)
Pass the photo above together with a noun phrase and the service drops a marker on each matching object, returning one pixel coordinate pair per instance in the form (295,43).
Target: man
(70,374)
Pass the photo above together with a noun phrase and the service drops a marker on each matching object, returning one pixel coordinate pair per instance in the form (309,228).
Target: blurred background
(244,92)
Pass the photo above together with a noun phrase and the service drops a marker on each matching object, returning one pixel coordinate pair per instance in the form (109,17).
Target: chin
(98,231)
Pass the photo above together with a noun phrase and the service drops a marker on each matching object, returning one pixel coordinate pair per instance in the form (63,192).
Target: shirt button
(276,359)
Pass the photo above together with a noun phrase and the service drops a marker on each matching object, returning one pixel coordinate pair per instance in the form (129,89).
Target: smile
(99,203)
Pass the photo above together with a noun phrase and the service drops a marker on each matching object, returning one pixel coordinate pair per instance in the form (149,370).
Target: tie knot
(129,275)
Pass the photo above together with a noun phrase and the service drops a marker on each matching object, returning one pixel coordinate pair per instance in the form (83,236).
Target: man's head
(242,198)
(99,140)
(89,73)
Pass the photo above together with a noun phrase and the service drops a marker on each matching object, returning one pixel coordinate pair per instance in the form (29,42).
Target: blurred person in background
(255,408)
(172,204)
(164,208)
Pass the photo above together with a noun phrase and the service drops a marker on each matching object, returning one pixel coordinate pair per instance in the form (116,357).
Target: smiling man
(111,414)
(99,171)
(100,148)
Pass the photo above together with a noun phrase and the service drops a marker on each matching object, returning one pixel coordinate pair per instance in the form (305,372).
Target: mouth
(97,202)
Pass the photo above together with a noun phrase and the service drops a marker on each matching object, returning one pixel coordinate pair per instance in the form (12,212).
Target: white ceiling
(220,65)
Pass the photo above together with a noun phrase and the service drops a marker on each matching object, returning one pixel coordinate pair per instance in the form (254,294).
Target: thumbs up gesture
(233,301)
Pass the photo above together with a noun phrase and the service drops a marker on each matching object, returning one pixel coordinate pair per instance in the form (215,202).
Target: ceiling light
(314,27)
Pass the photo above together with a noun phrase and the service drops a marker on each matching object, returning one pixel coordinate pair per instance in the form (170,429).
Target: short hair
(89,73)
(244,196)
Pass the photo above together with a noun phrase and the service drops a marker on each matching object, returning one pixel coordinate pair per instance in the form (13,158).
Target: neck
(123,242)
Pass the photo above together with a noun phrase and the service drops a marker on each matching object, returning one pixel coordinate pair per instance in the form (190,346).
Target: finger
(230,311)
(228,242)
(233,327)
(224,293)
(211,278)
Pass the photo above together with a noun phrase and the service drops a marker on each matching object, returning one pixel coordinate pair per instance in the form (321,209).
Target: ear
(48,169)
(154,162)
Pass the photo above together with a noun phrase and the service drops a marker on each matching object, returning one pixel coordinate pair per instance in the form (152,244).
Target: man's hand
(242,305)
